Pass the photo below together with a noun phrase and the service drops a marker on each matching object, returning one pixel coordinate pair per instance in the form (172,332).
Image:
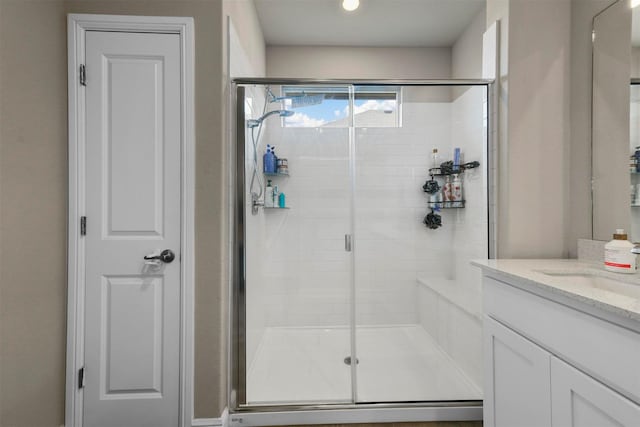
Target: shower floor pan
(395,364)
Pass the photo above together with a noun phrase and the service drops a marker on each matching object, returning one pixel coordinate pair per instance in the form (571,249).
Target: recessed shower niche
(350,273)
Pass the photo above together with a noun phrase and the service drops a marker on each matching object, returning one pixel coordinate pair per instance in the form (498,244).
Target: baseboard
(212,422)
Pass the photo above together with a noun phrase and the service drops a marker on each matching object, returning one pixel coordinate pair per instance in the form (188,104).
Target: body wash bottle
(456,191)
(268,196)
(447,193)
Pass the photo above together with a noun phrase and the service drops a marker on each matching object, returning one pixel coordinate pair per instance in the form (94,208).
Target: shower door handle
(347,242)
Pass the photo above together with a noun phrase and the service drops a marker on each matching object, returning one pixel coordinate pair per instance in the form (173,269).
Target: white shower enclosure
(342,296)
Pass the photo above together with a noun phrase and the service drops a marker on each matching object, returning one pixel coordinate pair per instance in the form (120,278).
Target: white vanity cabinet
(579,400)
(551,362)
(517,379)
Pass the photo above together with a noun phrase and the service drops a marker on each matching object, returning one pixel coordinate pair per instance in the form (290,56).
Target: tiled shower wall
(392,243)
(298,273)
(451,309)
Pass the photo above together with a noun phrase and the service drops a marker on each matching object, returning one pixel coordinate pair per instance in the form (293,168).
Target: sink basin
(594,281)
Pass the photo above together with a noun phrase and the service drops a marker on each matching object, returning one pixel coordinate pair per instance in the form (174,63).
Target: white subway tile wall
(298,272)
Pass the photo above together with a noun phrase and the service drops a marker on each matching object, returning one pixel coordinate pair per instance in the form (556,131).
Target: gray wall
(33,203)
(535,216)
(33,212)
(358,62)
(533,126)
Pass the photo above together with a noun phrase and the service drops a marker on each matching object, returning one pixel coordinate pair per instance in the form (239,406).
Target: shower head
(300,99)
(256,122)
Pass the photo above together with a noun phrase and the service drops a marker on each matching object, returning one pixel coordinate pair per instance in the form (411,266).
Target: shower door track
(360,82)
(356,413)
(290,414)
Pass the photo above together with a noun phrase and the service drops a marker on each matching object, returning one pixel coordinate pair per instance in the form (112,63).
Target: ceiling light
(634,3)
(350,5)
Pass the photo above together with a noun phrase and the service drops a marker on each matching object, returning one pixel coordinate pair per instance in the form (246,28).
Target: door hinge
(83,75)
(83,225)
(81,378)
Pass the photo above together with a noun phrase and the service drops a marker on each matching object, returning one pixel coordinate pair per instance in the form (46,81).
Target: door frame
(289,414)
(77,26)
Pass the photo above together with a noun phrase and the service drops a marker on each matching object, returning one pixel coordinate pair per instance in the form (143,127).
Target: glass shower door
(298,272)
(418,321)
(348,296)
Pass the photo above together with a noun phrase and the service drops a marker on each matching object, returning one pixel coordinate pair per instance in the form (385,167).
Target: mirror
(634,128)
(611,180)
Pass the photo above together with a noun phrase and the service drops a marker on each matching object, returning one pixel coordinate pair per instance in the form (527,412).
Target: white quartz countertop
(584,282)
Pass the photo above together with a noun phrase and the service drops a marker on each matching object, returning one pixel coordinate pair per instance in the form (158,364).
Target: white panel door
(580,401)
(517,379)
(132,193)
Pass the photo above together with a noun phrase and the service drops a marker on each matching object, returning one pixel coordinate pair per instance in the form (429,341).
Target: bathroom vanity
(561,344)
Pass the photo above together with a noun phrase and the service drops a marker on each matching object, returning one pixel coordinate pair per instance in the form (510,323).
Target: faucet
(636,248)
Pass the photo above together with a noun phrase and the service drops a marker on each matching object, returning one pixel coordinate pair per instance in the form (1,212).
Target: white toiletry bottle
(268,196)
(434,159)
(456,191)
(276,193)
(617,254)
(446,192)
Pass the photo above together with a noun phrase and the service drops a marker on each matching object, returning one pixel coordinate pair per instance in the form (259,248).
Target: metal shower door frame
(237,310)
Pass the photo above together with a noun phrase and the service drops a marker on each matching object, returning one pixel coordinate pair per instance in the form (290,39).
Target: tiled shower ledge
(454,293)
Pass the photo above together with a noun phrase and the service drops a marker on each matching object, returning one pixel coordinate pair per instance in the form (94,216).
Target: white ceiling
(383,23)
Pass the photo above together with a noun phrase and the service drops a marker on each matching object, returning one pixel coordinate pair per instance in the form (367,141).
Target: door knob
(165,256)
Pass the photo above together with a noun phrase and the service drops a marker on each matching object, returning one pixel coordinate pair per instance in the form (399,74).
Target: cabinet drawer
(607,352)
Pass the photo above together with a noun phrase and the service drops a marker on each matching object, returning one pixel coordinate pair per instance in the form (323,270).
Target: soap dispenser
(617,254)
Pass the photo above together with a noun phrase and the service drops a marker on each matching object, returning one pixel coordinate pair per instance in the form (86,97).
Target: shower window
(373,106)
(377,106)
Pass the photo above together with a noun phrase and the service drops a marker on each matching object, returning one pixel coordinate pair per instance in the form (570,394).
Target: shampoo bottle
(617,254)
(268,160)
(268,196)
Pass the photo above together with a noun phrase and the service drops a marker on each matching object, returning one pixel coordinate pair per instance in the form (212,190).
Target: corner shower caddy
(257,204)
(448,171)
(276,174)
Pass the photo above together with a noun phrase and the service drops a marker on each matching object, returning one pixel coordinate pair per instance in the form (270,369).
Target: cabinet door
(517,384)
(580,401)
